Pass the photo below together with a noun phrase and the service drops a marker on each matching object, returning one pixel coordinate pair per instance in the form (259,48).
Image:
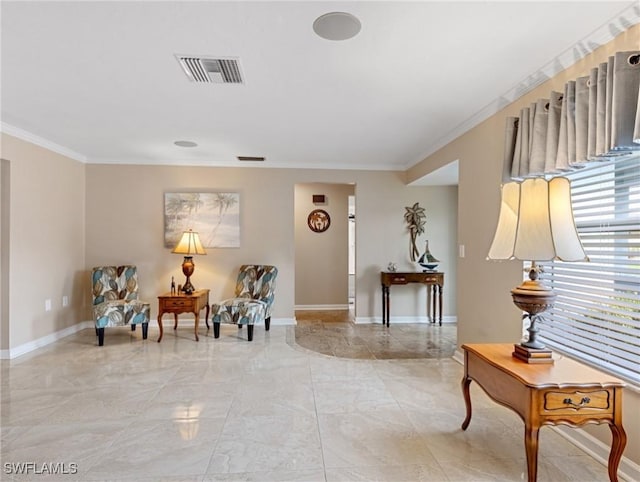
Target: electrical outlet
(461,250)
(47,305)
(65,301)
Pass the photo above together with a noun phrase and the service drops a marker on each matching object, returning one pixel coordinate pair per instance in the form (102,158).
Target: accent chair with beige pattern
(115,300)
(253,300)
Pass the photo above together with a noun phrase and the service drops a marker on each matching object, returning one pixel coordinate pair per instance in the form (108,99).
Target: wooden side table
(433,279)
(182,303)
(563,393)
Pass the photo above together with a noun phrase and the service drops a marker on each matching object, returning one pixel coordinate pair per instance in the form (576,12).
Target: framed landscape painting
(214,215)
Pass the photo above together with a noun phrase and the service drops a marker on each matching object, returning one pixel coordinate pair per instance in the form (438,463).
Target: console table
(182,303)
(433,280)
(565,392)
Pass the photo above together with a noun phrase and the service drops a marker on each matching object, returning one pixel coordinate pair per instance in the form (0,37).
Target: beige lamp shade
(536,222)
(189,244)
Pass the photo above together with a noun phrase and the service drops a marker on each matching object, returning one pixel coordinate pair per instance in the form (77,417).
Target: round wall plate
(318,220)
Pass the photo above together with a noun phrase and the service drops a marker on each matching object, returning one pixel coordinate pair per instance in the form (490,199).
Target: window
(597,313)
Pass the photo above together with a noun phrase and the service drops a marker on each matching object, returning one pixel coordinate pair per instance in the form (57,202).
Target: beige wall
(322,259)
(46,240)
(66,217)
(125,225)
(485,310)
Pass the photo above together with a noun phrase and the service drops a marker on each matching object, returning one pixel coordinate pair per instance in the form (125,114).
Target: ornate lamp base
(188,268)
(534,298)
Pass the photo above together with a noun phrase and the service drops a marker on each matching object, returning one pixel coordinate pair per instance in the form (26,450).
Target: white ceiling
(99,80)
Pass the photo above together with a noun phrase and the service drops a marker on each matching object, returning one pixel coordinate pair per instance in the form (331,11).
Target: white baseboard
(83,325)
(283,321)
(320,307)
(597,449)
(628,470)
(404,319)
(44,341)
(458,356)
(192,321)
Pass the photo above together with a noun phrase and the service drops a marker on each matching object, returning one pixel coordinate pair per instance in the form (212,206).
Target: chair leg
(133,327)
(145,330)
(206,322)
(239,326)
(267,323)
(216,330)
(100,336)
(250,332)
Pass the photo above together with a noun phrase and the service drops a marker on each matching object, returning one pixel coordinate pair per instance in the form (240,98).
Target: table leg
(430,315)
(197,313)
(531,447)
(160,325)
(386,301)
(175,321)
(618,442)
(466,381)
(384,306)
(440,303)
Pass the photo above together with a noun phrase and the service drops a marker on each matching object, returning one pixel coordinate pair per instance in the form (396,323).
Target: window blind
(596,317)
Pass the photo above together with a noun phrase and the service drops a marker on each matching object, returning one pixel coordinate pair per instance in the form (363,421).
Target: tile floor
(334,333)
(269,410)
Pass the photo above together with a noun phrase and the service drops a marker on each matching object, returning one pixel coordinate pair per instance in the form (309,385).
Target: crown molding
(41,141)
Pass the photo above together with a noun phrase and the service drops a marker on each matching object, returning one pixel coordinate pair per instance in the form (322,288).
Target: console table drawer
(574,401)
(405,278)
(431,279)
(177,303)
(398,280)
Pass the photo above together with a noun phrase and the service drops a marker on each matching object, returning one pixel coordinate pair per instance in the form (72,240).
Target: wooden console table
(565,392)
(181,303)
(433,280)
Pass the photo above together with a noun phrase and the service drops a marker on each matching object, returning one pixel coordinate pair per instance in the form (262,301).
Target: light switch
(461,250)
(47,305)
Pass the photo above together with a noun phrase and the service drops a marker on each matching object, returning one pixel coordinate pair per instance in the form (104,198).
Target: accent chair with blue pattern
(253,299)
(115,300)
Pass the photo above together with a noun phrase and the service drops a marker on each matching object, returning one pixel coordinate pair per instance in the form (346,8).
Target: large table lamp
(189,245)
(536,224)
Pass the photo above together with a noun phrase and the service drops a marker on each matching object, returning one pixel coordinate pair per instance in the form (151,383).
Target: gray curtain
(595,118)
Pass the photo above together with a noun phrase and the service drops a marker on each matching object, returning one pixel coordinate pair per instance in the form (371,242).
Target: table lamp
(536,224)
(189,245)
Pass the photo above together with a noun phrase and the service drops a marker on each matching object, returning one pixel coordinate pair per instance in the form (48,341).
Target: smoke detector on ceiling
(211,70)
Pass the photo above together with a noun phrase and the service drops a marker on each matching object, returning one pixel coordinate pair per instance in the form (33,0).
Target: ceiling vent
(210,70)
(250,158)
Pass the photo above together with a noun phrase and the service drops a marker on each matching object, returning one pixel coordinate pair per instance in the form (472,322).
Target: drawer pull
(583,402)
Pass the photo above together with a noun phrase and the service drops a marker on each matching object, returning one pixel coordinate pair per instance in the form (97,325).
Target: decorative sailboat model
(427,261)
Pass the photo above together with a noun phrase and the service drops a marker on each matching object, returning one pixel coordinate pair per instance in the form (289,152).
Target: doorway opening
(324,258)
